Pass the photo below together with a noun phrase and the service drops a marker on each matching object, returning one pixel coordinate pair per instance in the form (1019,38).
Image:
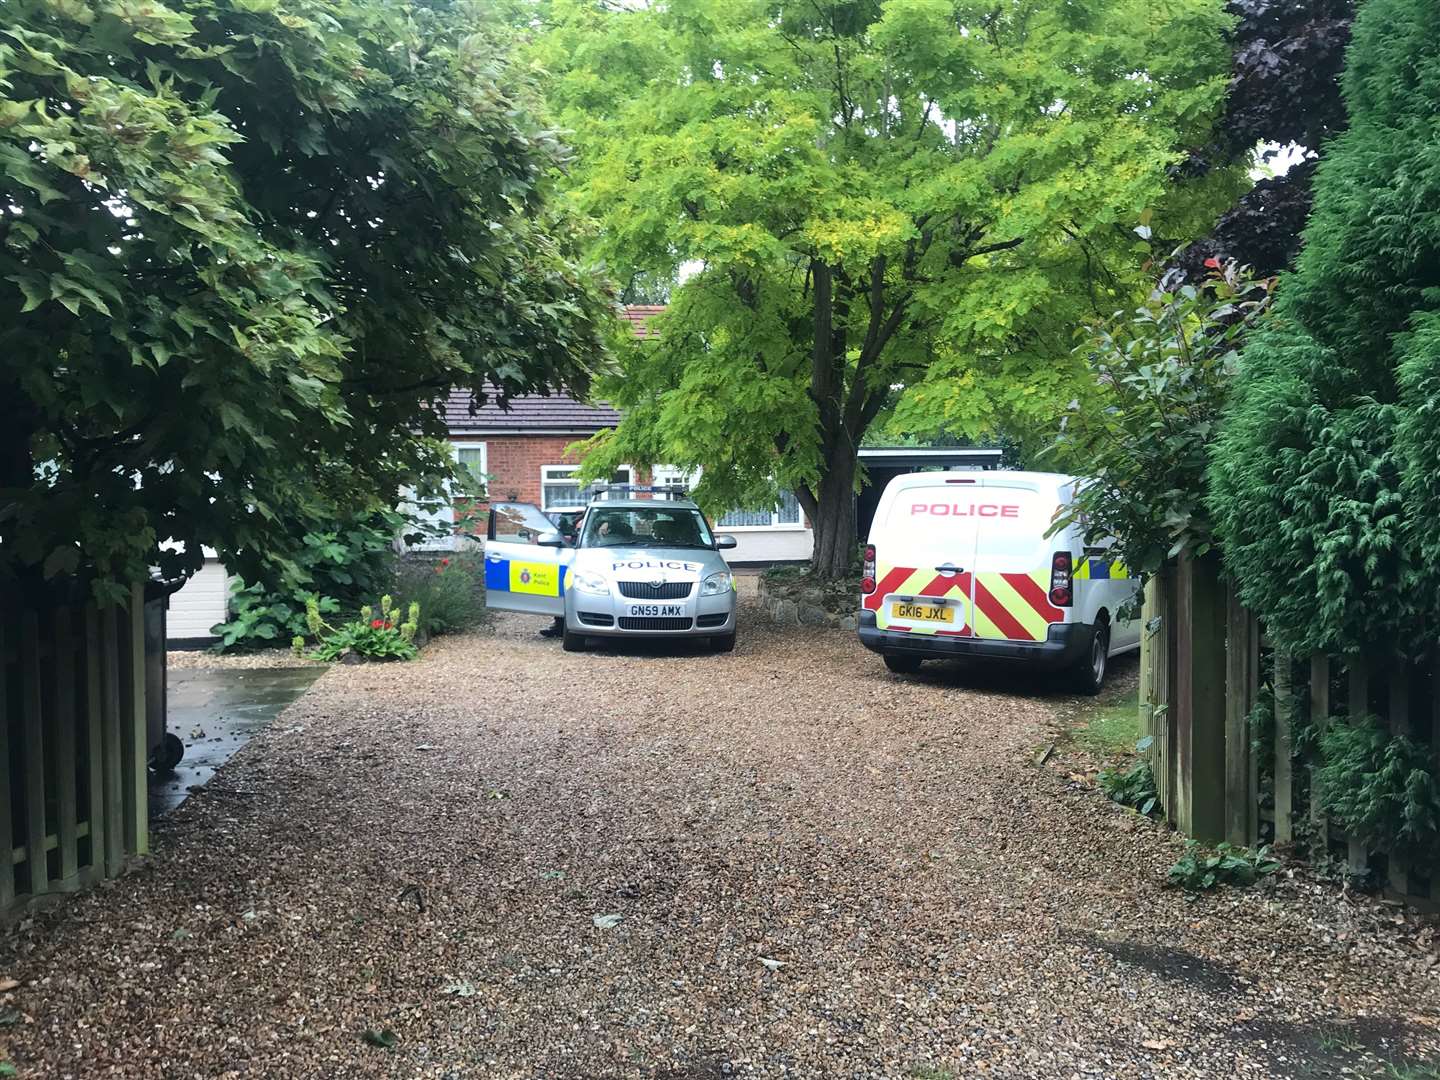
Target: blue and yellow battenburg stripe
(1102,569)
(532,578)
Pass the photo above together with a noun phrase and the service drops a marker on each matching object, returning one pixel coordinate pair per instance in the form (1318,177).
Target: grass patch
(1113,728)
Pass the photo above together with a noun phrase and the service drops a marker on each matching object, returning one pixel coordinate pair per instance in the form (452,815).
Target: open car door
(520,575)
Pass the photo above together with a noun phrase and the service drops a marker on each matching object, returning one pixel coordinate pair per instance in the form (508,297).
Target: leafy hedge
(1324,478)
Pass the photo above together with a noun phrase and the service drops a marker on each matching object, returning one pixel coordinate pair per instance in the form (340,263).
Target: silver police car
(635,567)
(647,568)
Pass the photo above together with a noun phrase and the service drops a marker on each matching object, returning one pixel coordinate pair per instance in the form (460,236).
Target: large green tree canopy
(916,193)
(244,244)
(1325,477)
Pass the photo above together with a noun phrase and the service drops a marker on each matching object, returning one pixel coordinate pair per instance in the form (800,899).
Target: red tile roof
(536,413)
(639,315)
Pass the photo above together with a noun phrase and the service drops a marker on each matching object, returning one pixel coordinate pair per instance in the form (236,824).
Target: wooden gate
(1209,678)
(73,756)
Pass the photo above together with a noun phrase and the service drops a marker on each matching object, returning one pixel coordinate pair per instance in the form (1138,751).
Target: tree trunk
(833,518)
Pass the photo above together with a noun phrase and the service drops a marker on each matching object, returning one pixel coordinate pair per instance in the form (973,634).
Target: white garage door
(199,604)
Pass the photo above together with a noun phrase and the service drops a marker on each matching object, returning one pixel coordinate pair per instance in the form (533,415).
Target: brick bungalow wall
(514,463)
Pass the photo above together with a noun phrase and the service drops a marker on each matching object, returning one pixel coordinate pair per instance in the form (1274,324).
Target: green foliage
(382,637)
(343,565)
(258,617)
(1166,368)
(1135,787)
(1199,869)
(1324,479)
(912,193)
(243,247)
(448,592)
(1382,788)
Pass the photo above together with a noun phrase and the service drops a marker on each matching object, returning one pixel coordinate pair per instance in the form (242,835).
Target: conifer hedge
(1325,477)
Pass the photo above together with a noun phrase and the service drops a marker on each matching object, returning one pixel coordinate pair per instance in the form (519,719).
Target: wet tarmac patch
(214,712)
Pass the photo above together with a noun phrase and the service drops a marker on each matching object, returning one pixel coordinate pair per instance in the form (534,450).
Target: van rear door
(924,553)
(1012,559)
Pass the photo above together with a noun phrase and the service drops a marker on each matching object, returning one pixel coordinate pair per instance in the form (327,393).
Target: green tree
(870,195)
(1166,367)
(1324,478)
(244,245)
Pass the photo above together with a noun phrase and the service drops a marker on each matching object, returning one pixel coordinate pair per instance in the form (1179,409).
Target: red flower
(1213,263)
(377,624)
(444,562)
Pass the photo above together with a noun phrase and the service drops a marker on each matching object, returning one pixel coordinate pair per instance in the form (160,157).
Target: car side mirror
(725,543)
(550,538)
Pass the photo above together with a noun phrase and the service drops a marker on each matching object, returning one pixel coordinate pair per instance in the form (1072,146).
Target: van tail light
(867,572)
(1060,579)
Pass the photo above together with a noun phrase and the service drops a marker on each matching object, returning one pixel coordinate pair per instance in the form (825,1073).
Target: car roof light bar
(620,491)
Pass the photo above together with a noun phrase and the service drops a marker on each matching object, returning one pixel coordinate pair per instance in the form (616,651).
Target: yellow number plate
(923,612)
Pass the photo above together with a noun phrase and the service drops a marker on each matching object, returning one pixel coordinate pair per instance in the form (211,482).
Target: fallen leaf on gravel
(385,1039)
(460,988)
(606,922)
(180,934)
(426,746)
(1156,1044)
(8,984)
(773,965)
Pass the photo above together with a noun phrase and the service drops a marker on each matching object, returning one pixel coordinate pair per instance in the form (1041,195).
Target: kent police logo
(525,577)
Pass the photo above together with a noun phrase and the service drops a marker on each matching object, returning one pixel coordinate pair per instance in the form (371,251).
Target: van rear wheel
(1089,672)
(901,664)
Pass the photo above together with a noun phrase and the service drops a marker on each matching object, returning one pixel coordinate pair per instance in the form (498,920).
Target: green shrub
(448,592)
(1135,787)
(1382,789)
(258,618)
(343,566)
(382,638)
(1323,480)
(1227,864)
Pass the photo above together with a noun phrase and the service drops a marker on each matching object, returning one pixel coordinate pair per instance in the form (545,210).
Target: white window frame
(547,482)
(484,448)
(776,525)
(673,475)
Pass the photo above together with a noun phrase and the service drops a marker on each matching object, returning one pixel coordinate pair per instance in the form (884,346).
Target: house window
(669,476)
(559,490)
(785,515)
(473,477)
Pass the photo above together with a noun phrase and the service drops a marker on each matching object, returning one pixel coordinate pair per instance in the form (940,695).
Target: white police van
(959,564)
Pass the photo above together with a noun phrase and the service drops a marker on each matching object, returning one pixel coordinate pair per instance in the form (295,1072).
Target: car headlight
(716,583)
(590,583)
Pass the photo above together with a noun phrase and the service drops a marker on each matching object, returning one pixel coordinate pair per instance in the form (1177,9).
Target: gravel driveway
(510,861)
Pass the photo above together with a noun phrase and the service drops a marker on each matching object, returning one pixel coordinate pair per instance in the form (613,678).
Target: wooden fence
(1219,704)
(73,756)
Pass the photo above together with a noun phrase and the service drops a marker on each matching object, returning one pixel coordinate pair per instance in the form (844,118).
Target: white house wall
(199,604)
(769,545)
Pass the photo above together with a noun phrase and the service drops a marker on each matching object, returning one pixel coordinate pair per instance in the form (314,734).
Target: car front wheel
(722,643)
(572,642)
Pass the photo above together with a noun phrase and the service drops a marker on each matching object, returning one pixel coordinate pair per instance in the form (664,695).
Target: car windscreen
(660,526)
